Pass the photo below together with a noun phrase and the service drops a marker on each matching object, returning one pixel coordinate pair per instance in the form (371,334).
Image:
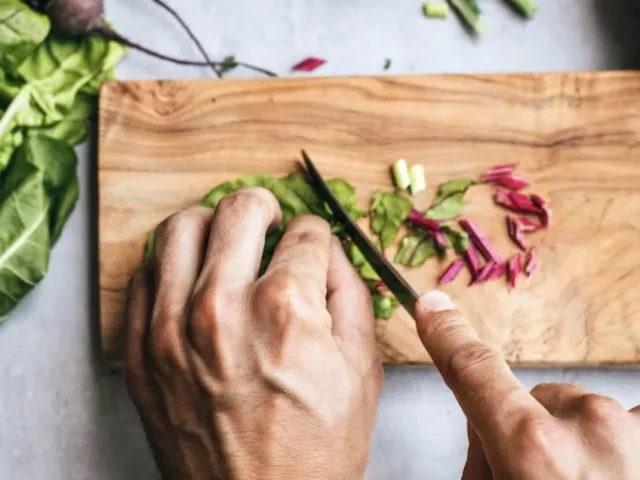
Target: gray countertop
(63,418)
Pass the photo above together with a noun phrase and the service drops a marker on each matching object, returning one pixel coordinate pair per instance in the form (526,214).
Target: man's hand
(243,378)
(556,432)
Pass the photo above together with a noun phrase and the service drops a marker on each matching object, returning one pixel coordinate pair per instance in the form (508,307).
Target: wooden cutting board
(164,144)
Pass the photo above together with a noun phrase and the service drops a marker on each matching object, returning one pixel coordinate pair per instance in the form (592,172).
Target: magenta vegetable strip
(515,233)
(529,226)
(498,171)
(511,183)
(480,241)
(531,262)
(545,211)
(498,271)
(514,268)
(485,273)
(308,64)
(452,272)
(524,203)
(471,257)
(431,226)
(419,220)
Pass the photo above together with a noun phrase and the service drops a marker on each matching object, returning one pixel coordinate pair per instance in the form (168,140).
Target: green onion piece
(401,174)
(436,10)
(469,15)
(527,7)
(387,64)
(418,183)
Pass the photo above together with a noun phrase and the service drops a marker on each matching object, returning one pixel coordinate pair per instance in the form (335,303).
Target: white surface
(62,418)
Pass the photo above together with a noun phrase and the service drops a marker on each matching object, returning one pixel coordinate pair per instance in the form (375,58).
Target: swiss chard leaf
(388,213)
(415,250)
(37,194)
(22,29)
(449,200)
(459,240)
(452,188)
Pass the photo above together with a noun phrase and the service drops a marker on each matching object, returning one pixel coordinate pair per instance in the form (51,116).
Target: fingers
(477,466)
(179,251)
(349,304)
(138,310)
(236,241)
(636,411)
(557,398)
(492,398)
(303,253)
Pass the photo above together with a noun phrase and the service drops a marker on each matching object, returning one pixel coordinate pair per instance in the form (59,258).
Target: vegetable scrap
(309,64)
(531,262)
(387,64)
(514,268)
(470,14)
(401,175)
(436,9)
(516,233)
(418,183)
(452,272)
(481,241)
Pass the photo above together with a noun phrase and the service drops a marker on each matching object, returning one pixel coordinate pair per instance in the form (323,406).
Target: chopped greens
(388,213)
(436,9)
(469,12)
(418,183)
(415,250)
(401,175)
(387,64)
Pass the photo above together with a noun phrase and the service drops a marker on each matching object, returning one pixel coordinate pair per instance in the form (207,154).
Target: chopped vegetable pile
(432,234)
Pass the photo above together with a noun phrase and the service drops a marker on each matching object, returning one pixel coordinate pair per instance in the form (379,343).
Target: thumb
(477,466)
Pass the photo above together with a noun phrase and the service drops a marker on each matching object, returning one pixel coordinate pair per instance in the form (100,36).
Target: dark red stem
(111,34)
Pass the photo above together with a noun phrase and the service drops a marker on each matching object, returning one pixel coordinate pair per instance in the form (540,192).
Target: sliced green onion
(418,183)
(401,174)
(469,14)
(527,7)
(436,10)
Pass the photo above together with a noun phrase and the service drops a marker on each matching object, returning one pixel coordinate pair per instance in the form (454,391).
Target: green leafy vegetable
(415,250)
(388,213)
(449,200)
(459,240)
(37,194)
(387,64)
(451,188)
(22,29)
(384,306)
(470,14)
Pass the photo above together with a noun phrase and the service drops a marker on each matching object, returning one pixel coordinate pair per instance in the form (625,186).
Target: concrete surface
(62,418)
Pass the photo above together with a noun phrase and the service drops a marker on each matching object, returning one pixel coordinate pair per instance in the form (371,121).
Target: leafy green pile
(296,197)
(48,88)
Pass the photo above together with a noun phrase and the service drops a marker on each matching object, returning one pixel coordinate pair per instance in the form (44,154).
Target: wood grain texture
(164,144)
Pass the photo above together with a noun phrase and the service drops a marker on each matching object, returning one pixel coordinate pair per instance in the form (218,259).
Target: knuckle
(311,228)
(469,358)
(207,312)
(534,434)
(177,222)
(247,201)
(164,345)
(599,410)
(280,293)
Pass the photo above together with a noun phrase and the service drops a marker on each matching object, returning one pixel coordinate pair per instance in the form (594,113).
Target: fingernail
(436,301)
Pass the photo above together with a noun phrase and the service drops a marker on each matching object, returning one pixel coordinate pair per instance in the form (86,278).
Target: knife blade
(405,294)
